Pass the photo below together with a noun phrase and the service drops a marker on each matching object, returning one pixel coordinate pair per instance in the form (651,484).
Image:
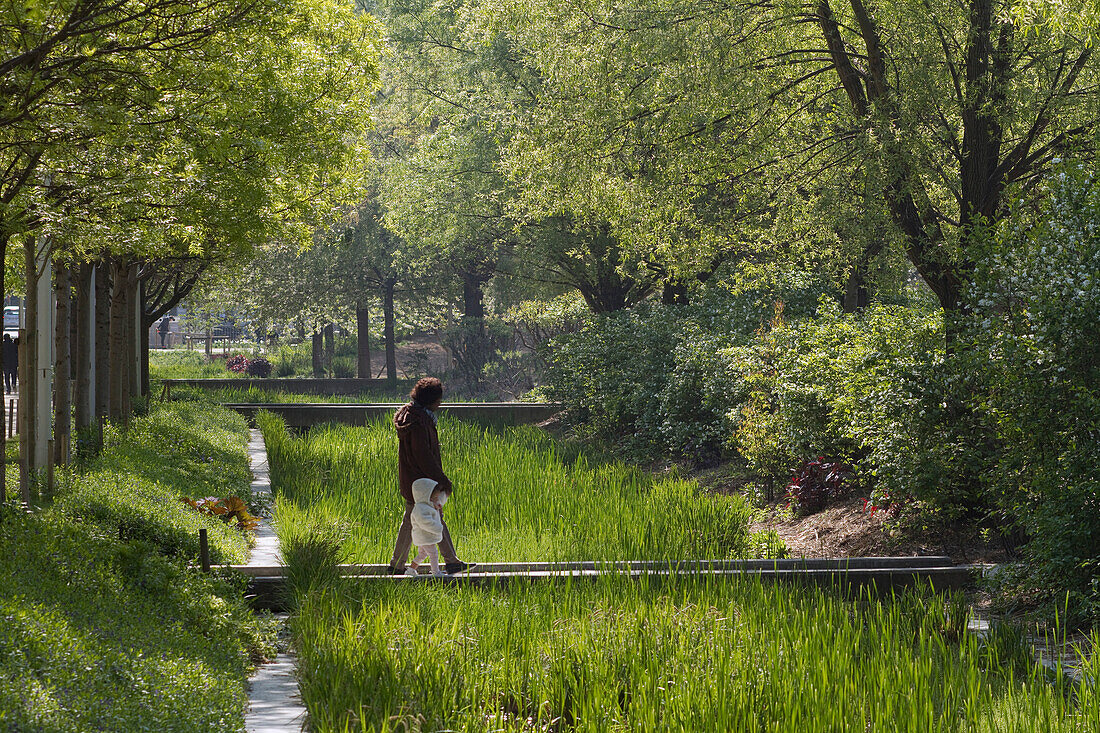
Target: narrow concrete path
(274,703)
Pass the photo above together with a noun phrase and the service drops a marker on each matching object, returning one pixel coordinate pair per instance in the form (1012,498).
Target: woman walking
(418,457)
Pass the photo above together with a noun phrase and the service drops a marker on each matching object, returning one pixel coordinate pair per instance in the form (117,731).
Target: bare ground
(847,529)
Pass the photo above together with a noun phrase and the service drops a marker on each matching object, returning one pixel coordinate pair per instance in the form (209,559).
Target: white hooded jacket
(427,525)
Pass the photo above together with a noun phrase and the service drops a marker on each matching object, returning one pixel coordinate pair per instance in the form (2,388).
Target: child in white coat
(427,524)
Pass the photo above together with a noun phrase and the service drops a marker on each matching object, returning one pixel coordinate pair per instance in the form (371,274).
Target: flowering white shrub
(1038,306)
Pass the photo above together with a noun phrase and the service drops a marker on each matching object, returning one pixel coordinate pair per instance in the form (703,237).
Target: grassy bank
(519,496)
(677,655)
(102,624)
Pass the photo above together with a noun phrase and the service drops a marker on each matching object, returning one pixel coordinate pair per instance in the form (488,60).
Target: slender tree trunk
(133,334)
(330,348)
(143,342)
(62,391)
(475,341)
(3,412)
(388,288)
(83,346)
(317,355)
(362,329)
(101,349)
(28,382)
(119,360)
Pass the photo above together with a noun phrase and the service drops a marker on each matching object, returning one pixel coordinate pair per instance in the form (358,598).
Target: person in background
(163,328)
(11,363)
(418,457)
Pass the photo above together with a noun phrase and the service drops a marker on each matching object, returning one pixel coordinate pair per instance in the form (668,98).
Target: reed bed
(519,496)
(672,654)
(256,395)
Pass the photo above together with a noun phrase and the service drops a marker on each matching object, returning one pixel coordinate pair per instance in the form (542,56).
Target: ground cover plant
(133,488)
(103,623)
(519,496)
(667,654)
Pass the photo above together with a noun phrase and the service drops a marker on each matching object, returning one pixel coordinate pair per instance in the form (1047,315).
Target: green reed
(675,654)
(519,496)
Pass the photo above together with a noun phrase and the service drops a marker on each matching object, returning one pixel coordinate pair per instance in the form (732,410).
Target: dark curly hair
(427,391)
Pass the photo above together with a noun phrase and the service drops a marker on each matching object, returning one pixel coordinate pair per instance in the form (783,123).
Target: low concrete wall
(881,574)
(290,386)
(306,415)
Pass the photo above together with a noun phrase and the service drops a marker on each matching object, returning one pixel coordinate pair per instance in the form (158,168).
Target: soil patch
(846,529)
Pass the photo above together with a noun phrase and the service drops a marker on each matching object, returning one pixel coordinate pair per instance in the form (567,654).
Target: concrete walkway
(274,703)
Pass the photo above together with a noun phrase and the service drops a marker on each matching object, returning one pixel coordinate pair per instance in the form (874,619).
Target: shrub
(1037,345)
(816,483)
(664,378)
(237,363)
(259,367)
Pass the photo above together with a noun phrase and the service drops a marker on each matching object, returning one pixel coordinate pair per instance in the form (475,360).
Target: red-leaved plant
(815,483)
(237,363)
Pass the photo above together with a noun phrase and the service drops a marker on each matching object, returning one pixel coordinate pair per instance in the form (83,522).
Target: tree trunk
(101,348)
(388,288)
(473,345)
(362,329)
(28,382)
(856,295)
(143,342)
(62,391)
(330,348)
(83,346)
(3,412)
(120,356)
(674,292)
(317,355)
(133,340)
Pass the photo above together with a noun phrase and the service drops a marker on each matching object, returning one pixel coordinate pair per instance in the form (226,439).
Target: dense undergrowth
(667,654)
(103,624)
(519,496)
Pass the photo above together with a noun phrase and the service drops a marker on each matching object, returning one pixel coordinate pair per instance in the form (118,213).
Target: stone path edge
(274,703)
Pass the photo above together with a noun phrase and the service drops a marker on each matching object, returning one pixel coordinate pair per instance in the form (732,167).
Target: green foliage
(622,654)
(1037,348)
(312,554)
(519,496)
(132,489)
(101,635)
(867,389)
(665,377)
(102,624)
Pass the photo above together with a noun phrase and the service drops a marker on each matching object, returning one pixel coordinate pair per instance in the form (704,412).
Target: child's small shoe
(438,574)
(411,572)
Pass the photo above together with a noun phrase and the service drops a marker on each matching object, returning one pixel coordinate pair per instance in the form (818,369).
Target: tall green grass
(253,395)
(185,364)
(665,655)
(519,496)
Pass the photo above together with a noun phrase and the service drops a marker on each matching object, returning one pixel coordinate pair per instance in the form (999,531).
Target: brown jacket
(417,450)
